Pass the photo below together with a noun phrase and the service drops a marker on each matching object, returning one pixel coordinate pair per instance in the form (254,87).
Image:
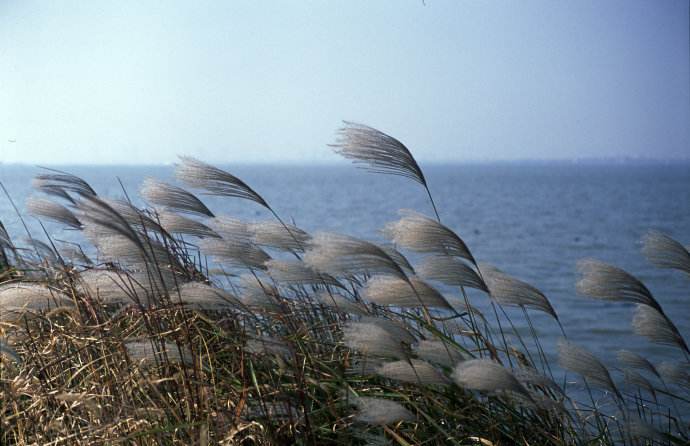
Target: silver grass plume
(18,299)
(438,352)
(665,252)
(398,258)
(278,236)
(230,228)
(531,377)
(120,287)
(657,327)
(373,340)
(396,328)
(413,292)
(235,253)
(104,219)
(379,411)
(636,361)
(422,234)
(412,371)
(636,380)
(172,197)
(258,295)
(144,352)
(41,207)
(49,182)
(205,297)
(450,271)
(178,224)
(676,373)
(487,376)
(607,282)
(297,273)
(215,181)
(134,216)
(341,255)
(507,290)
(577,359)
(340,303)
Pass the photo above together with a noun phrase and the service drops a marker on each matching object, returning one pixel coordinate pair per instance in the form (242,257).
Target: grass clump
(164,328)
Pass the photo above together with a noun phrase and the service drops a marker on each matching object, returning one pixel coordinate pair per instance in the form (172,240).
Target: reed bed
(175,324)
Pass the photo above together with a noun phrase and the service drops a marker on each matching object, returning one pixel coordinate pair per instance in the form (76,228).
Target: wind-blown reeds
(576,359)
(487,376)
(412,371)
(41,207)
(438,352)
(665,252)
(172,197)
(450,271)
(393,291)
(372,339)
(380,411)
(178,224)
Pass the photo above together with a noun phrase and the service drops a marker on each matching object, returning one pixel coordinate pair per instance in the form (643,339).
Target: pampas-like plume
(486,376)
(398,258)
(636,361)
(341,255)
(215,181)
(387,290)
(665,252)
(438,352)
(278,236)
(635,379)
(296,272)
(372,339)
(577,359)
(120,287)
(230,228)
(451,271)
(258,295)
(379,411)
(104,220)
(507,290)
(607,282)
(172,197)
(656,327)
(50,182)
(17,299)
(135,217)
(45,208)
(412,371)
(676,373)
(205,297)
(396,328)
(145,353)
(177,224)
(236,253)
(422,234)
(340,303)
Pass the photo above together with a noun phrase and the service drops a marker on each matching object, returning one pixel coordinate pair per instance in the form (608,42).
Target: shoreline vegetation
(173,324)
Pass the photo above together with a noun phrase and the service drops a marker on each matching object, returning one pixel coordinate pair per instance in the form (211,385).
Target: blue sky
(247,81)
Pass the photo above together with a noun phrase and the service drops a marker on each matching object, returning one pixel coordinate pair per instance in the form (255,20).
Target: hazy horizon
(133,83)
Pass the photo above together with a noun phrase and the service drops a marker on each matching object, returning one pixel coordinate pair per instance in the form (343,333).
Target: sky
(132,82)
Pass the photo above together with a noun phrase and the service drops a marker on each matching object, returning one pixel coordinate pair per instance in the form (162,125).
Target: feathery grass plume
(178,224)
(41,207)
(340,303)
(676,373)
(18,299)
(412,371)
(205,297)
(278,236)
(372,339)
(116,248)
(379,411)
(215,181)
(423,234)
(235,253)
(172,197)
(507,290)
(266,345)
(576,359)
(296,273)
(341,255)
(258,295)
(438,352)
(230,228)
(636,361)
(398,258)
(75,255)
(399,329)
(450,271)
(144,352)
(664,252)
(532,377)
(134,216)
(143,286)
(103,219)
(636,380)
(656,327)
(607,282)
(487,376)
(388,290)
(50,182)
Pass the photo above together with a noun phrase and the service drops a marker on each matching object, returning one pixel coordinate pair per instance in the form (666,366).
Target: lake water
(534,221)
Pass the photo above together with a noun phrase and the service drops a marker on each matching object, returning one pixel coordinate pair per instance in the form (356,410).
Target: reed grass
(161,328)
